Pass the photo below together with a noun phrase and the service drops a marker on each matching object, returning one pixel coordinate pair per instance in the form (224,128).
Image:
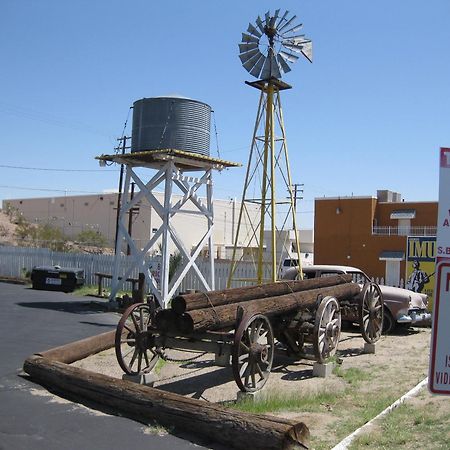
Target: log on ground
(83,348)
(236,429)
(200,300)
(216,318)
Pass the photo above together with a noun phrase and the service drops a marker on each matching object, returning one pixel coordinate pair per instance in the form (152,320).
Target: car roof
(324,267)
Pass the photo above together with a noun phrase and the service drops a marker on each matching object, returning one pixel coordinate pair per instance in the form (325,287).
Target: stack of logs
(216,310)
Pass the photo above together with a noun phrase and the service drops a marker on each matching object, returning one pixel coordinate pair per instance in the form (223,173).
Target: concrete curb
(13,280)
(343,445)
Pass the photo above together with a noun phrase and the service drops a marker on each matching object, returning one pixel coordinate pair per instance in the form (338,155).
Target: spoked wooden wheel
(371,313)
(135,348)
(327,329)
(252,353)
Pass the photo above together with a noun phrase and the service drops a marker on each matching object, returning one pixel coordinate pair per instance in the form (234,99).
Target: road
(30,417)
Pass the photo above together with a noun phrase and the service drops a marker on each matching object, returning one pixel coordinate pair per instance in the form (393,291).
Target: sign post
(439,373)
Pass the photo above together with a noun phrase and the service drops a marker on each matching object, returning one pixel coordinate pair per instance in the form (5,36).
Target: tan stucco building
(73,214)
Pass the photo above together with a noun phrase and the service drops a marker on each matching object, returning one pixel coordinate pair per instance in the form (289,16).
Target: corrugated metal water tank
(171,122)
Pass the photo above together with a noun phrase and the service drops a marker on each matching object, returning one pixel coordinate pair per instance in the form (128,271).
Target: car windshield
(307,275)
(357,276)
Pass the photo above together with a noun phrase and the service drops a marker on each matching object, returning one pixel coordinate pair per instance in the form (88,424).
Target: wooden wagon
(302,318)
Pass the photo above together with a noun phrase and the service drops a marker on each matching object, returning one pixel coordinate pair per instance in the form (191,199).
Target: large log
(220,317)
(200,300)
(166,320)
(233,428)
(83,348)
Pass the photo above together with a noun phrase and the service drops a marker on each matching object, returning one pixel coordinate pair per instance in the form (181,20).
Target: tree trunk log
(233,428)
(77,350)
(166,320)
(200,300)
(219,317)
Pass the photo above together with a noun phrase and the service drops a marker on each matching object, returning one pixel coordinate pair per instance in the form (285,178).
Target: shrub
(91,237)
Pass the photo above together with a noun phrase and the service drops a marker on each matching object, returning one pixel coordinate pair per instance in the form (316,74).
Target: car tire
(388,322)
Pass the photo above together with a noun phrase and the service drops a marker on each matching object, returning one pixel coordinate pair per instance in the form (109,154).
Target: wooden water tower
(170,137)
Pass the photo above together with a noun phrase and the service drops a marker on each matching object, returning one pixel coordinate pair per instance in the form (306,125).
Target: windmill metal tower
(266,50)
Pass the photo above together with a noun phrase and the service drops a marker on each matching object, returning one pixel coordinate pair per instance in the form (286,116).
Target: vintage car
(401,306)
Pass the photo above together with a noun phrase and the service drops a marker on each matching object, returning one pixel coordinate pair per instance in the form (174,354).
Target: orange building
(370,232)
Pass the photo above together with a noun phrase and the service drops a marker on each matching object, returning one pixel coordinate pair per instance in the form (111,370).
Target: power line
(50,119)
(46,190)
(55,170)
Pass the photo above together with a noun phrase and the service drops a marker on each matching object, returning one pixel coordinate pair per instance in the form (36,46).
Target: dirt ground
(400,362)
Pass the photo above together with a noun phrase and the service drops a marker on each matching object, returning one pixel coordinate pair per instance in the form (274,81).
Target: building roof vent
(389,196)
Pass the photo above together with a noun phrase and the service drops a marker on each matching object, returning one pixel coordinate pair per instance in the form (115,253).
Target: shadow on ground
(195,385)
(75,307)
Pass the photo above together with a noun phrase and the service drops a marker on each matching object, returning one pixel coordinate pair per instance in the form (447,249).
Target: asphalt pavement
(30,417)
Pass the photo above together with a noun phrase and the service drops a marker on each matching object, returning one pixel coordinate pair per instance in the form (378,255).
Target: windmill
(267,50)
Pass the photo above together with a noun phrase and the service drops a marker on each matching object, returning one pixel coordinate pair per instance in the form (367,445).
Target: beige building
(73,214)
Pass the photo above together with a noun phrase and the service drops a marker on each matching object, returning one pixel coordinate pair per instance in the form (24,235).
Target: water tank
(171,122)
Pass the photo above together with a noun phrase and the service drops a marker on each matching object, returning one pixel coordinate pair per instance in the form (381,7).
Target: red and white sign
(439,374)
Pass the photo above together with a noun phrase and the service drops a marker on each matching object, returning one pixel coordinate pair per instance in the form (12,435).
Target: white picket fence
(15,261)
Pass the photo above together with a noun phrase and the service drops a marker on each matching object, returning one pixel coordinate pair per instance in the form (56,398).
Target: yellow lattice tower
(265,51)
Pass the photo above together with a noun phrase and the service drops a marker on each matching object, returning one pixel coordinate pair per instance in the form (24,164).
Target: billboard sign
(421,265)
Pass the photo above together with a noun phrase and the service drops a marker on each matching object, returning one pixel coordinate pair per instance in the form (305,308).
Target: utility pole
(296,191)
(119,195)
(131,213)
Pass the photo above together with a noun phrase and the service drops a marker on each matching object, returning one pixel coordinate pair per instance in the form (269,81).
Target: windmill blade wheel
(252,354)
(371,313)
(327,329)
(134,342)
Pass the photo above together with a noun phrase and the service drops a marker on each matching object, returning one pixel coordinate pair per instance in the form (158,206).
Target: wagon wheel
(371,313)
(134,342)
(252,353)
(327,329)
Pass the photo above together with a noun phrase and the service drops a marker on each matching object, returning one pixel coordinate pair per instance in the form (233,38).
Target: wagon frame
(308,333)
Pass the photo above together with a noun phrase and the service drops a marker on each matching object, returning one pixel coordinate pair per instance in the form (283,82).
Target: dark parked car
(401,306)
(56,278)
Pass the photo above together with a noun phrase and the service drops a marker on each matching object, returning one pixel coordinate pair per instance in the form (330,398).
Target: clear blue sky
(370,113)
